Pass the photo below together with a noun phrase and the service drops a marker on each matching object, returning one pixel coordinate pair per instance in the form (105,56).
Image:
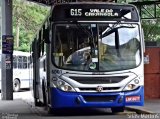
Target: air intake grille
(104,88)
(99,80)
(100,98)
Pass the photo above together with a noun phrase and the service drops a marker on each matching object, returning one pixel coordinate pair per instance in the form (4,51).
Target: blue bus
(89,55)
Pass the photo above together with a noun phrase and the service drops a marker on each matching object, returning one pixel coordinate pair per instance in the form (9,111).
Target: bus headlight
(132,85)
(62,85)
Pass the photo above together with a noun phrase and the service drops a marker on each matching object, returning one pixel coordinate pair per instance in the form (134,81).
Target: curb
(139,110)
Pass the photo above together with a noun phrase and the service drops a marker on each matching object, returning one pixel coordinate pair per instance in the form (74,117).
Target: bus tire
(117,109)
(16,85)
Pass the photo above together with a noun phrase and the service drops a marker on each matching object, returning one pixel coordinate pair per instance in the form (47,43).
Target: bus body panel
(62,99)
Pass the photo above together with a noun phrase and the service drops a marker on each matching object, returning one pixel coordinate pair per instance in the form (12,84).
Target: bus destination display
(93,13)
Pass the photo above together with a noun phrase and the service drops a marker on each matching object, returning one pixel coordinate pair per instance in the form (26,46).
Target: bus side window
(29,61)
(20,62)
(14,61)
(24,62)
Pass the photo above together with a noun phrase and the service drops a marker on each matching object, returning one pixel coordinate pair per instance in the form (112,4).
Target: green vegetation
(27,20)
(151,26)
(151,30)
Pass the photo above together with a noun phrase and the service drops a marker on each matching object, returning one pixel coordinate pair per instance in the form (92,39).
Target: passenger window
(14,61)
(24,62)
(20,63)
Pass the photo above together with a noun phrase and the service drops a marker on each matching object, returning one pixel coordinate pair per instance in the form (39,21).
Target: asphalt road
(40,112)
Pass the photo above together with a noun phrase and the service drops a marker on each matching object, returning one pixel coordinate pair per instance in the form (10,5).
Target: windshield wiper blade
(114,29)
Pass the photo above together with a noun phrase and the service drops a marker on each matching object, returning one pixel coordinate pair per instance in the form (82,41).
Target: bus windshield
(96,47)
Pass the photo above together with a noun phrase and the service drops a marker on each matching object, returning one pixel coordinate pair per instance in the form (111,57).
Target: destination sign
(93,13)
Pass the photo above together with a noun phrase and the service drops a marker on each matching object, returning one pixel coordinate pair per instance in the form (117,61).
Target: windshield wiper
(112,30)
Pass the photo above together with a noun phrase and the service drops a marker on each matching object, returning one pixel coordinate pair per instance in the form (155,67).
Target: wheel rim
(16,85)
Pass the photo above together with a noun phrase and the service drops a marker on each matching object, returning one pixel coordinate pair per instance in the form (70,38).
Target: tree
(151,30)
(27,19)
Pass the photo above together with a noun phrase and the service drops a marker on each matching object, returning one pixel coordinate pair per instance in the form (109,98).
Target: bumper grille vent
(100,98)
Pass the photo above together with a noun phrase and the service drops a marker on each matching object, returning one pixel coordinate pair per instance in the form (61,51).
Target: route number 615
(75,12)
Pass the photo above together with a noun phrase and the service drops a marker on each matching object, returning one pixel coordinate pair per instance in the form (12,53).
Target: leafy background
(28,18)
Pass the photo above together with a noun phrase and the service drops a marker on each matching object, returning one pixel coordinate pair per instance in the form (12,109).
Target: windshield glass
(96,47)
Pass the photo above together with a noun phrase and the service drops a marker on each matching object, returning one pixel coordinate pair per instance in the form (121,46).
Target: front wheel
(117,109)
(16,85)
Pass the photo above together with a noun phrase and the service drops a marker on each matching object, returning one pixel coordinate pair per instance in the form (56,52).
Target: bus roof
(19,53)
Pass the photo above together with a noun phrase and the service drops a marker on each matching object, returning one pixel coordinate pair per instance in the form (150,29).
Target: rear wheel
(16,85)
(117,109)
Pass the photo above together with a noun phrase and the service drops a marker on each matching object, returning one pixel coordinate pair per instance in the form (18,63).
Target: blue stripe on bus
(60,99)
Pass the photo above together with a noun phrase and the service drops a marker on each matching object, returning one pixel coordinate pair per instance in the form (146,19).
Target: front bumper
(60,99)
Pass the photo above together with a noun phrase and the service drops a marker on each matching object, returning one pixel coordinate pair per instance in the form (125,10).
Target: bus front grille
(95,89)
(110,98)
(99,80)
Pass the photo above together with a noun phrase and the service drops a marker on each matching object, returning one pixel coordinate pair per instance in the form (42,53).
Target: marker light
(136,81)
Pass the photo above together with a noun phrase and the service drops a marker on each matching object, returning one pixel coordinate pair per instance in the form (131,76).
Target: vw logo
(99,88)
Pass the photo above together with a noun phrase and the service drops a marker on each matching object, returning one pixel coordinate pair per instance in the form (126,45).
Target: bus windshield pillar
(7,50)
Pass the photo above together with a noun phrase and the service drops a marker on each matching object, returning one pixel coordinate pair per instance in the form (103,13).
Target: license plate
(132,98)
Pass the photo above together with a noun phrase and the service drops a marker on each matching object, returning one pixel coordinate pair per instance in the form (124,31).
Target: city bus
(89,55)
(21,63)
